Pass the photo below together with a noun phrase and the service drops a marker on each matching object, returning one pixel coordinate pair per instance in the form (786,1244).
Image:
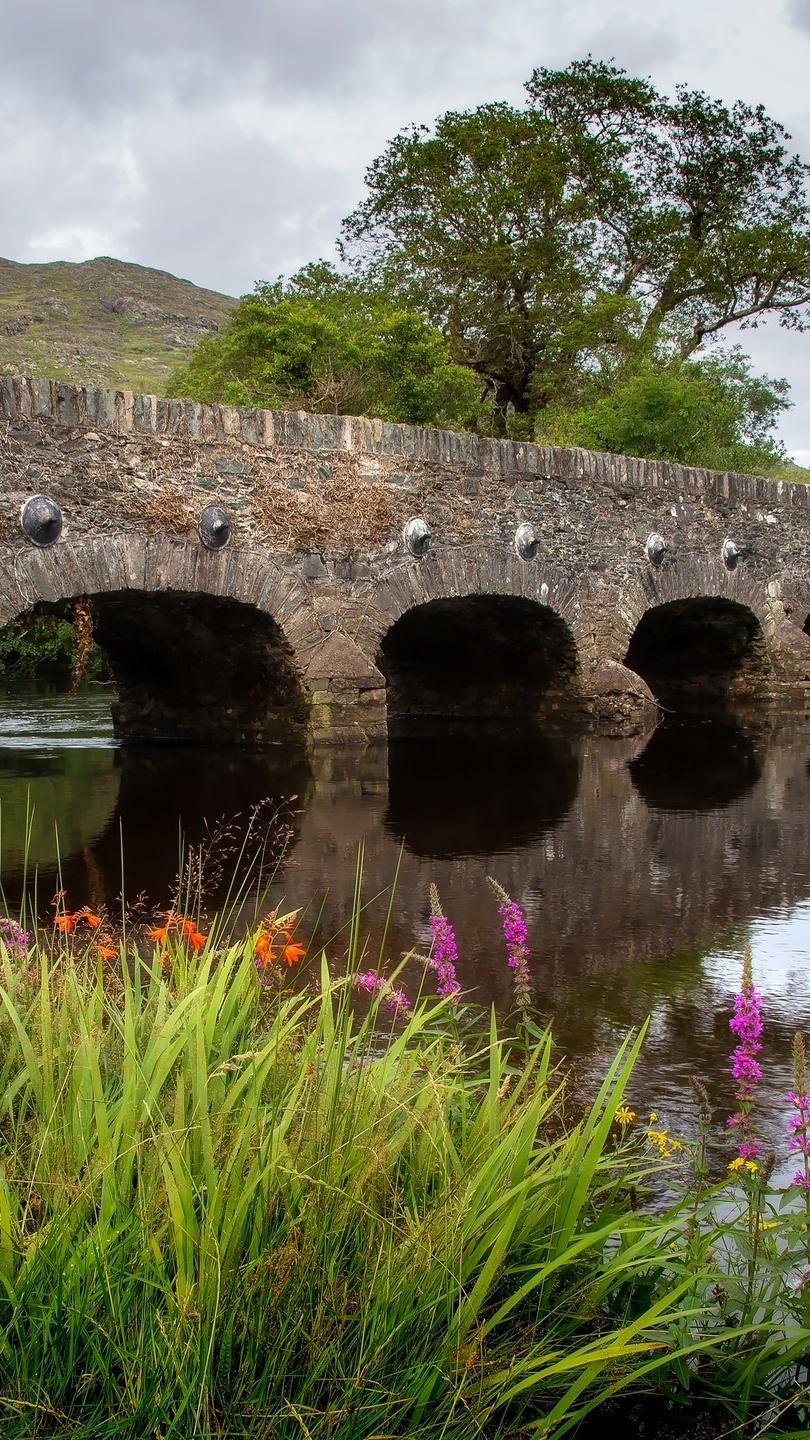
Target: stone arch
(701,650)
(202,644)
(456,572)
(689,576)
(476,632)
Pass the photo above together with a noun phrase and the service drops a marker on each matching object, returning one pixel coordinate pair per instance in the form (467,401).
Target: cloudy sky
(224,140)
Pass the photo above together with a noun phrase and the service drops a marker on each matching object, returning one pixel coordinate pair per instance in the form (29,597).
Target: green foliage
(324,342)
(231,1209)
(35,643)
(711,412)
(226,1213)
(600,223)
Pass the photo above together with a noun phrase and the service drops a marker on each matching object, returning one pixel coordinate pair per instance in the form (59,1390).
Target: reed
(229,1209)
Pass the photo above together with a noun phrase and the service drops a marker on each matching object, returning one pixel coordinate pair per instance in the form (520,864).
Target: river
(644,868)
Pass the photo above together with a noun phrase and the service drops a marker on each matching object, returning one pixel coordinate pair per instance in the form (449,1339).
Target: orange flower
(106,949)
(195,939)
(189,927)
(263,948)
(159,934)
(93,920)
(64,922)
(292,953)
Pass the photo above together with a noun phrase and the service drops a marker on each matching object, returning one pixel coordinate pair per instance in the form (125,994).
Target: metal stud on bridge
(41,520)
(656,548)
(527,542)
(417,536)
(214,527)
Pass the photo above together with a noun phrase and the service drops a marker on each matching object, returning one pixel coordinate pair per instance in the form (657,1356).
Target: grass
(231,1207)
(226,1213)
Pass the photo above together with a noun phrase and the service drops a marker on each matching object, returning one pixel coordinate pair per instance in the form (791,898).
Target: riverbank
(231,1207)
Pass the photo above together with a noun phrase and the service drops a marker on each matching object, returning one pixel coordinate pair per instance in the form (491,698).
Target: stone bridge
(258,575)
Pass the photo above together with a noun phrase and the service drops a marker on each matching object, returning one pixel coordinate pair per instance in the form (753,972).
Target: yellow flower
(653,1117)
(737,1163)
(767,1224)
(624,1116)
(752,1166)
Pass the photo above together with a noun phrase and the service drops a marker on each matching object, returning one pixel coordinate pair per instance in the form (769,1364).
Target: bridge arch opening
(707,651)
(194,668)
(479,657)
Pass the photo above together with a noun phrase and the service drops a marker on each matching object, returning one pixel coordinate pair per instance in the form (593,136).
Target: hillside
(103,322)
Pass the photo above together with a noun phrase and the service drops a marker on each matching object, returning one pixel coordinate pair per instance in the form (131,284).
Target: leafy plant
(33,643)
(710,411)
(323,341)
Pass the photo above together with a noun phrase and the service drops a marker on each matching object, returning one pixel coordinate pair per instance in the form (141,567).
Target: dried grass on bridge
(341,511)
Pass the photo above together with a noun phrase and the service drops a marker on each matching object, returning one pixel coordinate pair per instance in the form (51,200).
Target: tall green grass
(230,1213)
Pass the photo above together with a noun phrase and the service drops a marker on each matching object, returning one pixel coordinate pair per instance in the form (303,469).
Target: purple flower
(374,983)
(749,1149)
(16,940)
(799,1123)
(397,1001)
(445,951)
(517,950)
(746,1024)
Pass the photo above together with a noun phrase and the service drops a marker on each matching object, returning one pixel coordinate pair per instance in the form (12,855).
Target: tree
(323,341)
(711,412)
(602,223)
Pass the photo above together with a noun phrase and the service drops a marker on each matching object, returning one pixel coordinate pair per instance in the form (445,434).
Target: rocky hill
(103,322)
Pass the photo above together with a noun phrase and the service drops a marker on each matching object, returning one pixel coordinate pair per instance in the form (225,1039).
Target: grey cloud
(798,11)
(239,211)
(109,55)
(205,202)
(637,47)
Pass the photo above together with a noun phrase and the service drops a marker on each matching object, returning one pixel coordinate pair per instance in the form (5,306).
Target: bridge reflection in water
(643,866)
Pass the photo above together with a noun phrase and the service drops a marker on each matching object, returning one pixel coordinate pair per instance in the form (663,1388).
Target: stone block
(144,413)
(619,703)
(251,427)
(332,429)
(68,409)
(211,420)
(124,406)
(789,651)
(313,568)
(8,399)
(231,421)
(391,438)
(228,466)
(194,418)
(22,395)
(175,417)
(340,658)
(42,398)
(101,409)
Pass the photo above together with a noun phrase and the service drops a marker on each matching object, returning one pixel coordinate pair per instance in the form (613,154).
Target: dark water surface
(644,868)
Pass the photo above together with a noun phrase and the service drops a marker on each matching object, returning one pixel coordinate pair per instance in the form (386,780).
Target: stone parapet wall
(123,412)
